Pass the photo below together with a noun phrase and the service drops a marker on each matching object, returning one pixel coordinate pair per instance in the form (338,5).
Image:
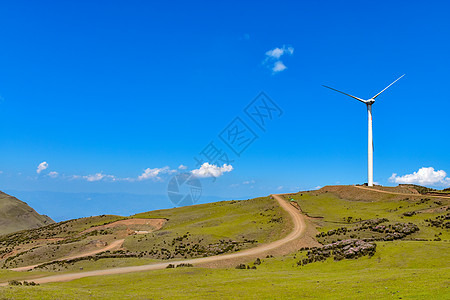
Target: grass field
(259,219)
(194,231)
(420,274)
(335,206)
(413,267)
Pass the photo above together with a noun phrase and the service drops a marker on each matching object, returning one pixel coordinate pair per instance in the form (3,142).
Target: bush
(184,265)
(409,213)
(14,282)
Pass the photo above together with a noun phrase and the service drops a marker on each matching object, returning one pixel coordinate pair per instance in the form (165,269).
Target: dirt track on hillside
(115,244)
(297,232)
(405,194)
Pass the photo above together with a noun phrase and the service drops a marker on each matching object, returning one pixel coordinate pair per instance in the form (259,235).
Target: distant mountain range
(63,206)
(16,215)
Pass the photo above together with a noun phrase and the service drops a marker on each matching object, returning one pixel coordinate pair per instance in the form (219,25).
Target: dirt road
(405,194)
(114,245)
(297,232)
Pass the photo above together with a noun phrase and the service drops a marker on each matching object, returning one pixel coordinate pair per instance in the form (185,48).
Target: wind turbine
(368,103)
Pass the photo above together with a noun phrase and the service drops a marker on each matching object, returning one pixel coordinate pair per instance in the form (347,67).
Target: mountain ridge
(16,215)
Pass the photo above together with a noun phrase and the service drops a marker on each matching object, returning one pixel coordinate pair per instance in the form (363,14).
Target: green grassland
(420,274)
(194,231)
(246,223)
(413,267)
(346,207)
(226,219)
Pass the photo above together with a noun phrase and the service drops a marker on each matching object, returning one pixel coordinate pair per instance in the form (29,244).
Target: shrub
(409,213)
(184,265)
(14,282)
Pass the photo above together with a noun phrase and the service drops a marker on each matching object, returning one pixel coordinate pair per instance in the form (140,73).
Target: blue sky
(115,88)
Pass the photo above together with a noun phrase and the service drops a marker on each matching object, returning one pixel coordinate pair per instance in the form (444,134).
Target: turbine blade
(387,87)
(359,99)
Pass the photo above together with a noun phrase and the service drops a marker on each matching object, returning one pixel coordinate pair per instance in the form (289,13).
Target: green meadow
(398,270)
(413,267)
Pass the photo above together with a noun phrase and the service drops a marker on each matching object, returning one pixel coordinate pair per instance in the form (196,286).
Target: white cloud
(182,167)
(278,67)
(249,182)
(208,170)
(424,176)
(154,173)
(273,56)
(278,52)
(53,174)
(280,187)
(148,173)
(98,177)
(42,166)
(318,187)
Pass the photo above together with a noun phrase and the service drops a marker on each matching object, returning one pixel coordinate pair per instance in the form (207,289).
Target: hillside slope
(171,234)
(377,243)
(16,215)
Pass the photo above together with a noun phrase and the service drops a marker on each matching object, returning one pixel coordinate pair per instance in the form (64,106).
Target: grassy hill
(16,215)
(338,207)
(410,233)
(185,232)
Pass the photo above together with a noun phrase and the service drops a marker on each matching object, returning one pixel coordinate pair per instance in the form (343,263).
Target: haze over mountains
(61,206)
(17,215)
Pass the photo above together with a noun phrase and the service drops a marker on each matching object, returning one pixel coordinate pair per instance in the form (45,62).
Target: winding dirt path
(395,193)
(297,232)
(114,245)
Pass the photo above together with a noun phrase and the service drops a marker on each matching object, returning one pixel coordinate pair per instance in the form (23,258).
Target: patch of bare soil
(155,224)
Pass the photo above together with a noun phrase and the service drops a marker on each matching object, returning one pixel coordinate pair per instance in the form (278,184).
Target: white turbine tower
(370,139)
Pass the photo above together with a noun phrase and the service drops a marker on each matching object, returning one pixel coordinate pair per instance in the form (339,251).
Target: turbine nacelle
(370,101)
